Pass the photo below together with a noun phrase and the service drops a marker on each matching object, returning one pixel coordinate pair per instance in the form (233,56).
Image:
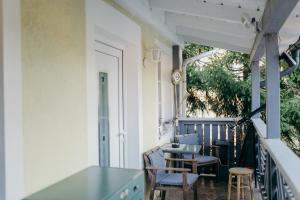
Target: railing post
(272,85)
(255,85)
(273,186)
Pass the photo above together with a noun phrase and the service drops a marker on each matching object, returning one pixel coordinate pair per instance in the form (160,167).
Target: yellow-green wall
(54,85)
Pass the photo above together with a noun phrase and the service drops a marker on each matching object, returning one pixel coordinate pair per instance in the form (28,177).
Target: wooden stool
(240,173)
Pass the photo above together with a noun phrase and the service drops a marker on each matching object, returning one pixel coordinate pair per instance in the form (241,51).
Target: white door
(109,62)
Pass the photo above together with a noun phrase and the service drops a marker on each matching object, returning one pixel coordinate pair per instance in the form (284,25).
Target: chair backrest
(192,139)
(155,158)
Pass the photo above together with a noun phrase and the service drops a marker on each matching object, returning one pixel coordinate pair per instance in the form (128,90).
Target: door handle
(122,133)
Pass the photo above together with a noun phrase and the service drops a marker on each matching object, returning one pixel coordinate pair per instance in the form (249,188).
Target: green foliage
(223,82)
(223,86)
(290,108)
(191,50)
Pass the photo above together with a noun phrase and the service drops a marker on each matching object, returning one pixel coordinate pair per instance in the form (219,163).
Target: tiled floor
(209,189)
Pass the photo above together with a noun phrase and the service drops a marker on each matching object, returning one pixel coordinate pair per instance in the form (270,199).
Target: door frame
(11,131)
(109,50)
(129,40)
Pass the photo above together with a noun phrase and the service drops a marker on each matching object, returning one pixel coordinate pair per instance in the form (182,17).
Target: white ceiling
(218,23)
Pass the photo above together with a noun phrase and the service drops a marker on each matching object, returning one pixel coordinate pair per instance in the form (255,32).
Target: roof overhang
(219,23)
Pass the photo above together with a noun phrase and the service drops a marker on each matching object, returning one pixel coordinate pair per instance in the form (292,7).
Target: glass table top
(183,148)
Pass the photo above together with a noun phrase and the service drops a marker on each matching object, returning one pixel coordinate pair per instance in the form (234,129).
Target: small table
(183,149)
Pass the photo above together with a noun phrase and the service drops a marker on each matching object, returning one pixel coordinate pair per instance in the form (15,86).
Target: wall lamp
(154,56)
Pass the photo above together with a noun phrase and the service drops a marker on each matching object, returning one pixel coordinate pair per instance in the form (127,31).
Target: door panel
(109,64)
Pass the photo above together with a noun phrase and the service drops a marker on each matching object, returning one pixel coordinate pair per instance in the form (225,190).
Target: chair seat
(175,179)
(202,159)
(240,171)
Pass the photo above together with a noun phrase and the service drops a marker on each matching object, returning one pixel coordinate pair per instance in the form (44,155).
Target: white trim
(218,44)
(2,137)
(274,16)
(199,57)
(255,87)
(287,162)
(228,40)
(12,101)
(164,48)
(260,127)
(272,86)
(211,25)
(139,10)
(208,119)
(201,9)
(129,40)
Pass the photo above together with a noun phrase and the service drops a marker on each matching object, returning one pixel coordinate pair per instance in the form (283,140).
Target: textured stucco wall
(54,84)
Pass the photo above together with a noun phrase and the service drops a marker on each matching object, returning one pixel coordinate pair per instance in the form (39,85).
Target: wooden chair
(208,156)
(162,177)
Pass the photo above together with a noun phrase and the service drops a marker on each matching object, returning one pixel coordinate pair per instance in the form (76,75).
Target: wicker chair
(162,177)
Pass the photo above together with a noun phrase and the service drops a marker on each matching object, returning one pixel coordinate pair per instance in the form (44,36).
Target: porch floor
(210,189)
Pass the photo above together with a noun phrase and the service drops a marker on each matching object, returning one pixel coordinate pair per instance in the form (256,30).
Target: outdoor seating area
(179,178)
(197,156)
(231,180)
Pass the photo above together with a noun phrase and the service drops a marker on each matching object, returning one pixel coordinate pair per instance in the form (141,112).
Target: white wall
(167,97)
(106,24)
(11,155)
(150,94)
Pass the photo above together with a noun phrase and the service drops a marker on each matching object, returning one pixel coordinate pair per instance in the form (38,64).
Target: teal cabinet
(96,183)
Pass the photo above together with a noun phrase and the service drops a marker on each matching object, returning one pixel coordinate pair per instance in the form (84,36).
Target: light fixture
(246,20)
(250,23)
(156,54)
(154,57)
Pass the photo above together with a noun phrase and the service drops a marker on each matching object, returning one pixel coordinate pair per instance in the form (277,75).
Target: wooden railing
(277,166)
(220,131)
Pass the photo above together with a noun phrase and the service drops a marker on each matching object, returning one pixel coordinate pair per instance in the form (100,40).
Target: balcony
(92,82)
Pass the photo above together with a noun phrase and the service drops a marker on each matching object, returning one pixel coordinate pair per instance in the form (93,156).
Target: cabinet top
(89,184)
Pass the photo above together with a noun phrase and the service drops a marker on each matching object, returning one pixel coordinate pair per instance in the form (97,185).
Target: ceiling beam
(249,4)
(208,10)
(211,36)
(216,44)
(212,25)
(138,9)
(275,14)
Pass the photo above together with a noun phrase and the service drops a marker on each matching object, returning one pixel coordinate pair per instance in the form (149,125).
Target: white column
(272,85)
(2,137)
(11,140)
(255,80)
(183,87)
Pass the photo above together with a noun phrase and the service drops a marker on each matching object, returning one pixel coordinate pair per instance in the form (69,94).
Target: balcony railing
(278,175)
(277,166)
(216,131)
